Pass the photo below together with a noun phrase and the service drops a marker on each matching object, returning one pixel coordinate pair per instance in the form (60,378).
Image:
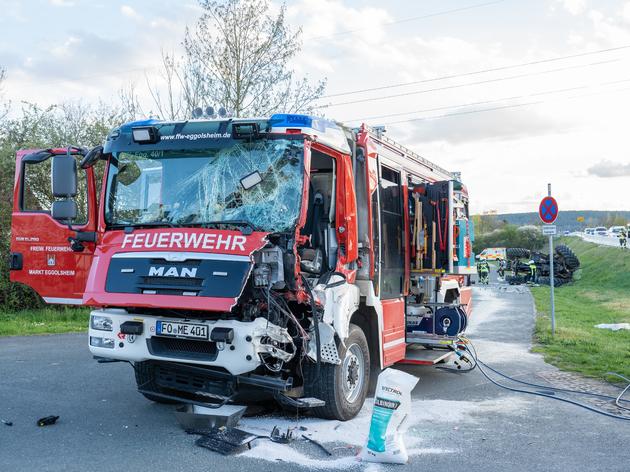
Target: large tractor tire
(343,387)
(515,279)
(145,379)
(517,253)
(570,259)
(557,281)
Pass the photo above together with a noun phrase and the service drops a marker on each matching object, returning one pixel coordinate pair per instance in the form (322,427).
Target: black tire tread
(517,253)
(570,259)
(514,279)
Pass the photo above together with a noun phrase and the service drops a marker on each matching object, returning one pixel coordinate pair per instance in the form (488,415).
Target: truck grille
(219,277)
(182,348)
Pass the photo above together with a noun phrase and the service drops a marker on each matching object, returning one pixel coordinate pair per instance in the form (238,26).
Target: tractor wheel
(515,279)
(517,253)
(569,257)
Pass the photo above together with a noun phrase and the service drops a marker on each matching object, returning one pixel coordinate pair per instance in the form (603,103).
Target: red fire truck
(223,258)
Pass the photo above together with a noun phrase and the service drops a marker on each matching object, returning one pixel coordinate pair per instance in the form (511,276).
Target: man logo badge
(172,272)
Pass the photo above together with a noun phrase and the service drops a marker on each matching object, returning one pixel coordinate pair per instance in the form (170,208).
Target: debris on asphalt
(226,440)
(283,438)
(47,420)
(8,423)
(196,419)
(318,444)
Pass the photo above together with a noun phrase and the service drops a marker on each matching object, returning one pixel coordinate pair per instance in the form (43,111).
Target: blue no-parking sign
(548,210)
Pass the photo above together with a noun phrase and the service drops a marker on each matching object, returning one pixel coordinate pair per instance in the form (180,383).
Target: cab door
(42,256)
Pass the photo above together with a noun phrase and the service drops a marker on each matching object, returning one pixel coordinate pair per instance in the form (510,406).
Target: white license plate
(181,330)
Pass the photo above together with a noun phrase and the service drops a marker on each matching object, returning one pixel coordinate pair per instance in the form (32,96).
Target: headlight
(102,323)
(102,342)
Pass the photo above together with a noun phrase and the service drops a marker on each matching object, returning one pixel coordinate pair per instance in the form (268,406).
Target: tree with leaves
(238,57)
(35,127)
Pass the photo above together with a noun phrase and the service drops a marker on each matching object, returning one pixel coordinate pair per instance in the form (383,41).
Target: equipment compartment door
(41,256)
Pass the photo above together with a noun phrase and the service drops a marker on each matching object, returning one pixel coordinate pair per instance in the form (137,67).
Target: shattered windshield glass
(257,182)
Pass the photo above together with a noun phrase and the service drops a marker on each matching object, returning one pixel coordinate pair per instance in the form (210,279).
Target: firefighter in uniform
(483,269)
(533,272)
(623,238)
(502,267)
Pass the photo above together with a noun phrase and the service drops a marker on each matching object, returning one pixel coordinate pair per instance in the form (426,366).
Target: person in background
(483,269)
(533,272)
(623,239)
(502,267)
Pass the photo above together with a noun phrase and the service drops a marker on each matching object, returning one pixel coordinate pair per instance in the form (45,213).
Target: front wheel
(343,387)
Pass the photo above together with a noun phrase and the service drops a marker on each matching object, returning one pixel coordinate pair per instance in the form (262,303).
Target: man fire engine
(225,257)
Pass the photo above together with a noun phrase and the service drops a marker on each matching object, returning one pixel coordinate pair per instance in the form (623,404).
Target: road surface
(458,421)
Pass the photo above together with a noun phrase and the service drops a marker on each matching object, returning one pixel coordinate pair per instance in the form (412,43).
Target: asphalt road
(458,421)
(599,239)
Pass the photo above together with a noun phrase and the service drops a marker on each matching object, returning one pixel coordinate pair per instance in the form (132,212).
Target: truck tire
(569,257)
(145,379)
(517,253)
(343,387)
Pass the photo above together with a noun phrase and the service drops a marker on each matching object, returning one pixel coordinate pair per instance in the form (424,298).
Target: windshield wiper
(246,227)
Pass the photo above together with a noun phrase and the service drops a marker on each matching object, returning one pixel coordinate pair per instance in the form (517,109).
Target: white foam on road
(351,435)
(346,438)
(487,307)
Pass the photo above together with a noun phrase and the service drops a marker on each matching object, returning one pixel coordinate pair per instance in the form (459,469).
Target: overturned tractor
(565,263)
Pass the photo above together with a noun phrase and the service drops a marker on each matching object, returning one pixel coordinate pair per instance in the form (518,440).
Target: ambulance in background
(492,254)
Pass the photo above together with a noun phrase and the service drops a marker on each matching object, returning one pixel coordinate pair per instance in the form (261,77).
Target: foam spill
(346,438)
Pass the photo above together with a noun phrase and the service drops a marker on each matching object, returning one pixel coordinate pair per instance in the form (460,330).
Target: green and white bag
(392,404)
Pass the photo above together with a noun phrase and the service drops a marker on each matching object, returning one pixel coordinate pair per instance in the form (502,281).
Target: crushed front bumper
(238,356)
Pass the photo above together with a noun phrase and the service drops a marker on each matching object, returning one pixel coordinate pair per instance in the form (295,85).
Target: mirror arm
(80,237)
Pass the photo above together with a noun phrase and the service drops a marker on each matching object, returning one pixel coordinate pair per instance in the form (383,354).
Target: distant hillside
(567,220)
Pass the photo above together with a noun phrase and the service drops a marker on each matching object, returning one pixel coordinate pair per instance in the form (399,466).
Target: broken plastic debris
(280,437)
(318,444)
(226,440)
(47,420)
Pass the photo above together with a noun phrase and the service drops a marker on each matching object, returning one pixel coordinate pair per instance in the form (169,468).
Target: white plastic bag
(392,404)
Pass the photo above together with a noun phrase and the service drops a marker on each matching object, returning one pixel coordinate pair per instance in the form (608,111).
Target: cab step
(420,355)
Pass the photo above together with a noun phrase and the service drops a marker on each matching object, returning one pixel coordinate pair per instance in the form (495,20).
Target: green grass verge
(601,295)
(44,321)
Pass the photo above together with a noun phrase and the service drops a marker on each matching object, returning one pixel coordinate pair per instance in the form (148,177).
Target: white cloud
(625,12)
(62,3)
(607,168)
(129,12)
(574,7)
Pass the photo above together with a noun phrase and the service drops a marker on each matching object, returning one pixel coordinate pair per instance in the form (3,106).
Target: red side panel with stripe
(393,331)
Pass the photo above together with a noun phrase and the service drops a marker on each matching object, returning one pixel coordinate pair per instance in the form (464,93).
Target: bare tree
(129,102)
(239,54)
(178,90)
(4,104)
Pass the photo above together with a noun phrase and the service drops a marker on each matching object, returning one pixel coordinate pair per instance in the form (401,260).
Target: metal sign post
(548,211)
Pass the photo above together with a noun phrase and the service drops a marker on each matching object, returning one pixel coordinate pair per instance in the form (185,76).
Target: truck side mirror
(64,211)
(64,176)
(64,186)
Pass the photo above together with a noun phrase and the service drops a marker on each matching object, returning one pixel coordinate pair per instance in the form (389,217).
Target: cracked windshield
(258,182)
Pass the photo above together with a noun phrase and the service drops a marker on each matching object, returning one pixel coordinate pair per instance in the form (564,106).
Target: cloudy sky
(512,93)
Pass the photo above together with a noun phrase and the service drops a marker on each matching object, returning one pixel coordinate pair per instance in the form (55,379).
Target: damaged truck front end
(224,258)
(211,260)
